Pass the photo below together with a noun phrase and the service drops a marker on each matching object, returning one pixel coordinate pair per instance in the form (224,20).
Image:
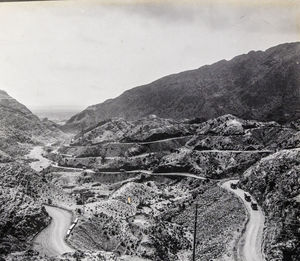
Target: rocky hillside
(22,191)
(18,125)
(158,222)
(216,148)
(146,129)
(274,182)
(258,85)
(22,195)
(21,212)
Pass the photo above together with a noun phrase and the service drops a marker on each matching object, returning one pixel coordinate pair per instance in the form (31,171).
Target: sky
(72,54)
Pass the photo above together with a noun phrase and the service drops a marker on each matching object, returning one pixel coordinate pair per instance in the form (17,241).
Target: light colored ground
(250,245)
(51,241)
(36,153)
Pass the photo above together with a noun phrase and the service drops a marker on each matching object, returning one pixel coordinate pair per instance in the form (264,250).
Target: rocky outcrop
(274,183)
(258,85)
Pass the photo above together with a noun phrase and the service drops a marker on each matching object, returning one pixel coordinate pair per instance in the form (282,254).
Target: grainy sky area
(71,54)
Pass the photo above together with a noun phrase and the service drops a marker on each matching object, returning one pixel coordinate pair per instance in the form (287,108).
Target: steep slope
(19,126)
(259,85)
(21,212)
(274,182)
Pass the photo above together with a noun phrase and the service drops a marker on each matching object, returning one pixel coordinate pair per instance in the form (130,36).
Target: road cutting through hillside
(51,240)
(250,244)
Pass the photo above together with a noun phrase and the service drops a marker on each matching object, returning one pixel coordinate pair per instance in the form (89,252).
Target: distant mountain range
(259,85)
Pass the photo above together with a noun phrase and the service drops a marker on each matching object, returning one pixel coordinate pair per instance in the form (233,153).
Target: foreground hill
(19,126)
(258,85)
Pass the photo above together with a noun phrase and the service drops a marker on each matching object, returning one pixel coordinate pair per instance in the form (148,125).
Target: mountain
(19,126)
(259,85)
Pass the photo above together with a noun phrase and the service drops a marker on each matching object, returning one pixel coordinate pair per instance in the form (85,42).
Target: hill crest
(259,85)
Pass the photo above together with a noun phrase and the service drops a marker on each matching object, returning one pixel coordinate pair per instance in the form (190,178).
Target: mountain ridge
(259,85)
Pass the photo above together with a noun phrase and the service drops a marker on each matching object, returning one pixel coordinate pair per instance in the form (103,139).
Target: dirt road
(51,241)
(250,245)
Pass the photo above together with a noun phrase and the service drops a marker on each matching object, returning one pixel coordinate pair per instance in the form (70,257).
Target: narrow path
(250,245)
(51,240)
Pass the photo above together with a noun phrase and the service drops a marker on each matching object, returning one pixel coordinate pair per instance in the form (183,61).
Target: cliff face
(274,182)
(259,85)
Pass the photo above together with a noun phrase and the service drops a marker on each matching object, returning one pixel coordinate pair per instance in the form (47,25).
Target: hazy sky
(78,53)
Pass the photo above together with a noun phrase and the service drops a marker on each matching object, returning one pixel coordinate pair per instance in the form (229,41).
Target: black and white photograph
(150,130)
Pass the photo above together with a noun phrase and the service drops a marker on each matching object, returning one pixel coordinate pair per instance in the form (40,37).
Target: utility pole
(195,233)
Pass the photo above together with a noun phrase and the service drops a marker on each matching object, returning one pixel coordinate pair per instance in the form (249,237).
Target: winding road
(250,244)
(51,240)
